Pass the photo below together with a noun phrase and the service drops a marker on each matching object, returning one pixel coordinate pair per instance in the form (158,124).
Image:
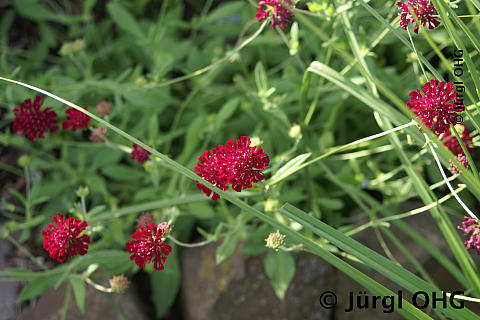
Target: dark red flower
(33,121)
(103,108)
(213,167)
(76,119)
(245,163)
(98,135)
(148,245)
(471,225)
(280,10)
(433,108)
(139,154)
(65,237)
(236,163)
(145,219)
(423,9)
(451,142)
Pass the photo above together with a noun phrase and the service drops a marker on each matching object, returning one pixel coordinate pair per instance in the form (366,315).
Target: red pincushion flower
(463,160)
(103,108)
(213,167)
(65,237)
(76,119)
(33,121)
(423,9)
(471,225)
(146,219)
(278,9)
(433,108)
(451,142)
(148,245)
(236,163)
(139,154)
(98,135)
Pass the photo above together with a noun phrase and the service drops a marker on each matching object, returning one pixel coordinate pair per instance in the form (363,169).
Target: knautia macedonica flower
(139,154)
(98,135)
(29,118)
(433,107)
(145,219)
(423,9)
(279,10)
(103,108)
(237,163)
(147,245)
(65,237)
(471,226)
(76,119)
(451,142)
(119,284)
(275,240)
(463,160)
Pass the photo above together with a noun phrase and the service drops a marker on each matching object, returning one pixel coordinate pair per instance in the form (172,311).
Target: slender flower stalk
(464,206)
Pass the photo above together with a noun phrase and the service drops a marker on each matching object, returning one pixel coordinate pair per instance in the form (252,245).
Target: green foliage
(325,100)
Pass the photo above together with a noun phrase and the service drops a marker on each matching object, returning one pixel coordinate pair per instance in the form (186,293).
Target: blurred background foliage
(126,52)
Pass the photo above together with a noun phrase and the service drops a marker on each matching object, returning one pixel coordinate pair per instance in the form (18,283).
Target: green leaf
(280,268)
(227,247)
(35,11)
(166,283)
(288,168)
(79,290)
(122,172)
(124,20)
(224,11)
(226,112)
(37,286)
(261,77)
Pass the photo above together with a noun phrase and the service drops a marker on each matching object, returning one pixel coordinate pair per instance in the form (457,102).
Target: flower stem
(470,213)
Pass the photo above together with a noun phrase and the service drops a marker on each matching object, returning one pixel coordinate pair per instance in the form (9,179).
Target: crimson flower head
(65,237)
(103,108)
(147,245)
(237,164)
(463,160)
(433,107)
(471,226)
(139,154)
(451,142)
(278,9)
(33,121)
(76,119)
(423,9)
(98,135)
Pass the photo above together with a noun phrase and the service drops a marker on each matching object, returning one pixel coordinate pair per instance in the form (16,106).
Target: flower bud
(119,283)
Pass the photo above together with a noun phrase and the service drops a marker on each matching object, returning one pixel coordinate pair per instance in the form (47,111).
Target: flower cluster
(65,237)
(471,226)
(147,245)
(139,154)
(275,240)
(279,10)
(76,119)
(236,163)
(423,9)
(433,107)
(29,118)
